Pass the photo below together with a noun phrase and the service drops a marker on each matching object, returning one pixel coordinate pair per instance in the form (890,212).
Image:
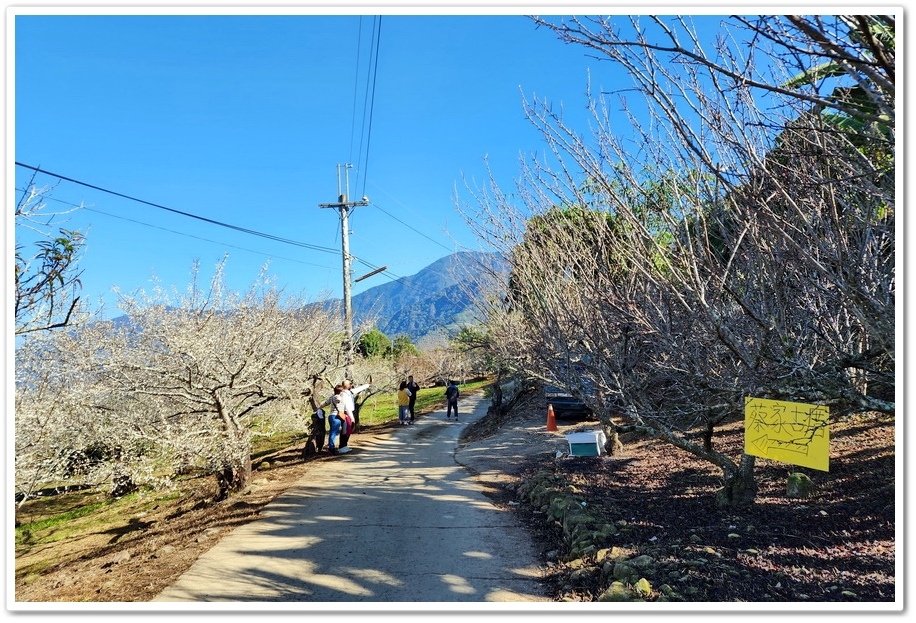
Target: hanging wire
(356,91)
(378,37)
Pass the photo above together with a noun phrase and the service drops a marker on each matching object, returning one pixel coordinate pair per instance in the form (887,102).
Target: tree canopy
(739,242)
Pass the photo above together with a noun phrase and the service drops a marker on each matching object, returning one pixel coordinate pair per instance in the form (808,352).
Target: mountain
(436,299)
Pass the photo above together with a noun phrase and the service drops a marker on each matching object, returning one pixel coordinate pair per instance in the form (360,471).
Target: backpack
(452,392)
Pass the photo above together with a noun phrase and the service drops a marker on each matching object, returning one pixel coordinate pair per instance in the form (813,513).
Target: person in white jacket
(349,416)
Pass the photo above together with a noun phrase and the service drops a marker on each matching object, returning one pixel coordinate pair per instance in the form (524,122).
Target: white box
(586,443)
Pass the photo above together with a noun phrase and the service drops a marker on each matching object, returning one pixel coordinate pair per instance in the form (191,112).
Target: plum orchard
(180,383)
(725,228)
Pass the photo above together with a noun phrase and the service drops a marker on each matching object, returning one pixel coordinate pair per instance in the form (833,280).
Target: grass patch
(25,532)
(89,512)
(382,408)
(76,514)
(265,446)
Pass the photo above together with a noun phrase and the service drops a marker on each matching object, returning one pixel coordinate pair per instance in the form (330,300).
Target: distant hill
(436,299)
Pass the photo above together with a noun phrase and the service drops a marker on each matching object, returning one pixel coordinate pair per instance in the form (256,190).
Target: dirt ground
(837,545)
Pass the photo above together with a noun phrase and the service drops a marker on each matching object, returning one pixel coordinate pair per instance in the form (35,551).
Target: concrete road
(395,520)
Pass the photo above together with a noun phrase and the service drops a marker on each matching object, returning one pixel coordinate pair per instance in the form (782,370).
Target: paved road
(395,520)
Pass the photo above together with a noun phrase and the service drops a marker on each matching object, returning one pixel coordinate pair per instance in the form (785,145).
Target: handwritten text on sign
(791,432)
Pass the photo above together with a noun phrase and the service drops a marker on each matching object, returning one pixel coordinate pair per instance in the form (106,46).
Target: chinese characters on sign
(790,432)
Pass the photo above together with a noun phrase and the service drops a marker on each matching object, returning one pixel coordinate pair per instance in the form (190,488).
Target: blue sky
(244,119)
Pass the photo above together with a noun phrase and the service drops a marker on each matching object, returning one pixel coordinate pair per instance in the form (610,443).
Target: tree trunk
(497,401)
(122,483)
(235,476)
(740,487)
(707,436)
(316,437)
(613,446)
(232,478)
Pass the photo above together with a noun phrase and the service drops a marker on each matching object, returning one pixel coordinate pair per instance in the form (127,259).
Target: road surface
(395,520)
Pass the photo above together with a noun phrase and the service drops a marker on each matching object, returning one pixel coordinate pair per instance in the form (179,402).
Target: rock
(607,570)
(643,587)
(580,576)
(622,571)
(641,562)
(578,563)
(164,551)
(617,592)
(799,485)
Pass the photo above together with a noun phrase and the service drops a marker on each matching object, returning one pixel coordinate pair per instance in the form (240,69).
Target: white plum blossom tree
(180,381)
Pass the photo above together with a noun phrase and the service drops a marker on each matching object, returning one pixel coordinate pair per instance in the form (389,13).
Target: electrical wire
(391,276)
(408,226)
(359,45)
(188,214)
(404,281)
(378,37)
(368,99)
(179,233)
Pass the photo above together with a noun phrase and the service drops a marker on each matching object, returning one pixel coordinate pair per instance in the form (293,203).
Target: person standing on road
(451,398)
(404,395)
(413,387)
(349,420)
(319,429)
(336,402)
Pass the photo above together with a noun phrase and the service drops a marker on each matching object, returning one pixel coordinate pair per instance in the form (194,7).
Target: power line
(378,37)
(408,226)
(205,219)
(178,233)
(359,46)
(188,214)
(376,269)
(231,246)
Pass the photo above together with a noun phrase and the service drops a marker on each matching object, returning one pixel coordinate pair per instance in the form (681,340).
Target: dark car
(565,405)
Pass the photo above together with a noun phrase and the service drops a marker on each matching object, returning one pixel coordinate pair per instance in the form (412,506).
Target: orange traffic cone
(551,420)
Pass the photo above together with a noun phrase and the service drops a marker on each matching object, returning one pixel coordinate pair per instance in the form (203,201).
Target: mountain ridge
(437,299)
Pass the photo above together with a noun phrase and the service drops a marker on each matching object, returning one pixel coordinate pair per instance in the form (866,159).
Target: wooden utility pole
(344,206)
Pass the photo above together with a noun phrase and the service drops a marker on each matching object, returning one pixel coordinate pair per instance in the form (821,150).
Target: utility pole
(344,206)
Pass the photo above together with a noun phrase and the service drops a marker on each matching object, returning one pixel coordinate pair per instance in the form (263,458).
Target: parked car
(565,405)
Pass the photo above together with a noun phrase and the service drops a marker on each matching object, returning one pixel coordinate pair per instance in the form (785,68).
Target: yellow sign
(791,432)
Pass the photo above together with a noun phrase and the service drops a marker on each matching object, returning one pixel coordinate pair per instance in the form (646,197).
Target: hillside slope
(439,298)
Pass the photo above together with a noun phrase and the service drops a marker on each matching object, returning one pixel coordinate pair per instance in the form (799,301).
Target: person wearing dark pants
(413,387)
(451,397)
(319,429)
